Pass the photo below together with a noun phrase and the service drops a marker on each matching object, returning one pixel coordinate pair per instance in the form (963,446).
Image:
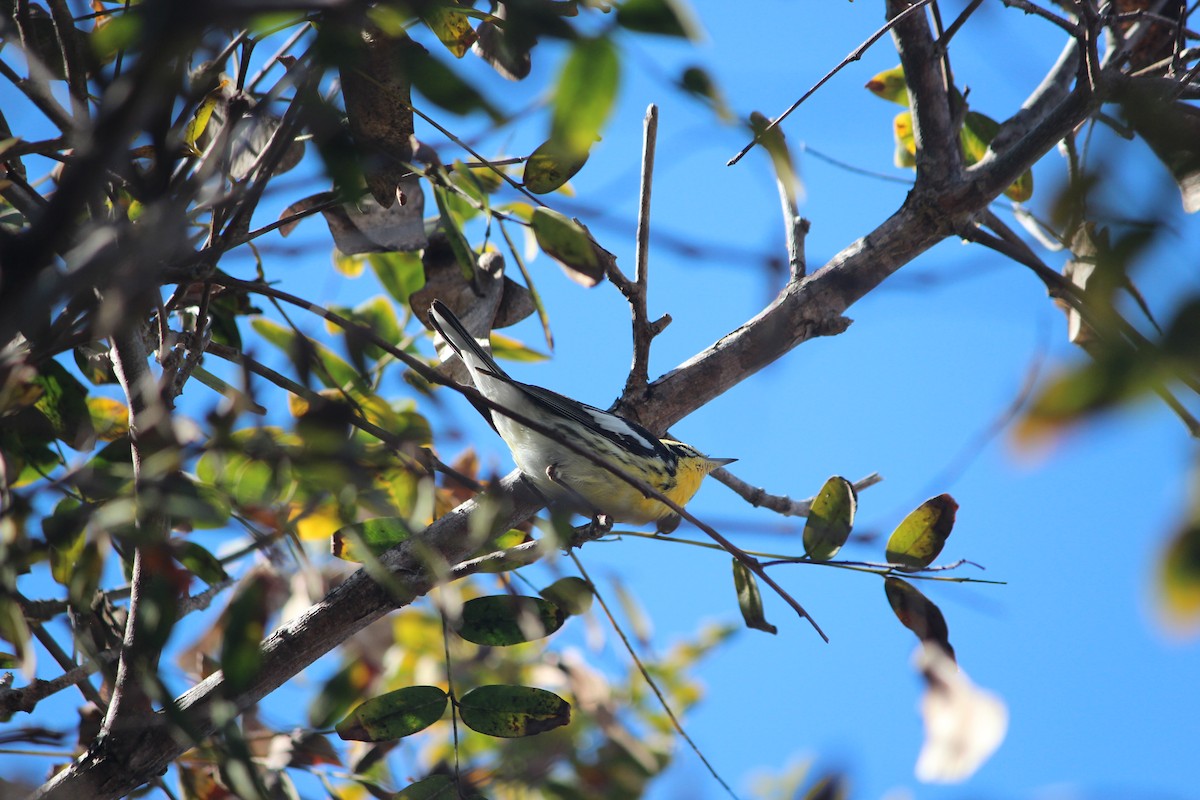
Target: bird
(565,478)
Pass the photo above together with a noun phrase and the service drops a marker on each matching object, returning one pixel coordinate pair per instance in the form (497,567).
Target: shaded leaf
(919,537)
(665,17)
(435,787)
(340,693)
(572,595)
(963,723)
(568,242)
(918,613)
(750,599)
(502,620)
(584,97)
(513,711)
(64,404)
(245,624)
(697,82)
(394,715)
(830,519)
(199,561)
(506,55)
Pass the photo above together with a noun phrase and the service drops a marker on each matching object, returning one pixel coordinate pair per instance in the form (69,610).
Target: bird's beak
(714,463)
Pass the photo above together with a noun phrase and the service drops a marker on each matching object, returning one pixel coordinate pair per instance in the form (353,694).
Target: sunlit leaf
(830,519)
(919,538)
(502,620)
(201,117)
(451,26)
(376,535)
(110,418)
(513,711)
(394,715)
(584,97)
(906,142)
(773,141)
(918,613)
(1178,581)
(550,166)
(400,274)
(507,349)
(890,85)
(750,599)
(572,595)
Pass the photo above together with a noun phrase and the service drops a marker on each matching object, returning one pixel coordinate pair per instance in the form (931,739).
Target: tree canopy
(214,476)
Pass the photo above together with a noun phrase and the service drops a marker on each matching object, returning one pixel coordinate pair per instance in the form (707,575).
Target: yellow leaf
(318,524)
(110,418)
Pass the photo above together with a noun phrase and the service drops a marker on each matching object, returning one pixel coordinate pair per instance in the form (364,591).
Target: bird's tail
(462,342)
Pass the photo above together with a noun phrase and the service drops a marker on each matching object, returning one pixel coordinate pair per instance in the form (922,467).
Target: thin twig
(479,400)
(853,56)
(648,678)
(644,331)
(781,504)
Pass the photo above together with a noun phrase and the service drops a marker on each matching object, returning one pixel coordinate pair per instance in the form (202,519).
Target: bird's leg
(601,523)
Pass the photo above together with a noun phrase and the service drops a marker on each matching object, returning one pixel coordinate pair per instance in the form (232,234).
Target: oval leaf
(572,595)
(246,622)
(550,166)
(587,88)
(435,787)
(502,620)
(569,243)
(394,715)
(917,540)
(511,712)
(830,519)
(750,599)
(918,613)
(1179,579)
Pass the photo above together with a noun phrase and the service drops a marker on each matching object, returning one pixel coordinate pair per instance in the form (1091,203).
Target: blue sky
(1101,698)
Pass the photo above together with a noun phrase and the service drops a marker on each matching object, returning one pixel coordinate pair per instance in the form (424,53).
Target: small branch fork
(636,291)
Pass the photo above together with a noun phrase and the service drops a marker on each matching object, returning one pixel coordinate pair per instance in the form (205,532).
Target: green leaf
(463,252)
(502,620)
(394,715)
(573,595)
(64,404)
(977,133)
(66,533)
(331,369)
(775,144)
(890,85)
(435,787)
(568,242)
(750,599)
(340,694)
(550,166)
(376,535)
(586,92)
(918,613)
(665,17)
(511,712)
(15,631)
(1179,578)
(452,27)
(245,624)
(830,519)
(919,538)
(199,561)
(699,83)
(400,274)
(442,86)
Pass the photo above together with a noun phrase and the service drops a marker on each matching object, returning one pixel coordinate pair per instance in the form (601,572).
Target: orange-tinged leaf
(918,613)
(451,26)
(890,85)
(110,418)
